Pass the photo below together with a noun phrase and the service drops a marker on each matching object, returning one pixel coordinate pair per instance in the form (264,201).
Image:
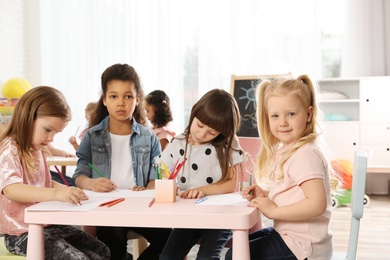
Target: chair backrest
(357,200)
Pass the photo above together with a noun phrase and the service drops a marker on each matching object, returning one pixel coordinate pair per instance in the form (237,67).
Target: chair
(357,205)
(139,243)
(6,255)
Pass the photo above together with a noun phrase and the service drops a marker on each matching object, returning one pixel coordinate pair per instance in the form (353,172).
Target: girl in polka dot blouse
(211,148)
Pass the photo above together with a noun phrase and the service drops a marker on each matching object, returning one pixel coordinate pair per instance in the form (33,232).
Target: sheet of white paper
(234,199)
(86,205)
(120,193)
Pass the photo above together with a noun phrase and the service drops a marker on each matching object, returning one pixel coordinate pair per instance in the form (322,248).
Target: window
(184,47)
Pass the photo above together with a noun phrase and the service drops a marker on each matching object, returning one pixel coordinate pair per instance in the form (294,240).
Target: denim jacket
(95,148)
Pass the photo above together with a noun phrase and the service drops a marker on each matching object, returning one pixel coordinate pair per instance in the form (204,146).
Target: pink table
(135,212)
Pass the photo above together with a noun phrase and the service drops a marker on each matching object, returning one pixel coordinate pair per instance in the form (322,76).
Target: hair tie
(164,101)
(299,78)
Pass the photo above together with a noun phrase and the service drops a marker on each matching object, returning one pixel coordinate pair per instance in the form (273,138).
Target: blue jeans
(180,242)
(267,244)
(116,239)
(55,176)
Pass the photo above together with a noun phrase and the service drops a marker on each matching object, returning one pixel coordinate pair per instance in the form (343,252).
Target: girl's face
(120,100)
(288,118)
(45,128)
(149,109)
(201,133)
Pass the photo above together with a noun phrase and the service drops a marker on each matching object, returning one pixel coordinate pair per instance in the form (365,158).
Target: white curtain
(184,47)
(367,27)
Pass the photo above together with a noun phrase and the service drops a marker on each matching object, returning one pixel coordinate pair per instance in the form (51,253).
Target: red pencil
(151,202)
(173,175)
(62,176)
(109,202)
(115,202)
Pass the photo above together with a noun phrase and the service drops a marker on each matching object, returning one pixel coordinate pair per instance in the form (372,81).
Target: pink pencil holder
(165,191)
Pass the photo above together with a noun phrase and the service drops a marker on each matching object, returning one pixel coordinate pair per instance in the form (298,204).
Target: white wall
(13,52)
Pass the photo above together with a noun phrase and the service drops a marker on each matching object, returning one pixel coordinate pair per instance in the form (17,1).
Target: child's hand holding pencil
(101,184)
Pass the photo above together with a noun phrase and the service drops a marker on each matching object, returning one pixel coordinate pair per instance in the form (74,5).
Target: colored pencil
(63,178)
(250,183)
(96,170)
(200,200)
(165,169)
(77,131)
(174,166)
(108,202)
(115,202)
(151,202)
(173,175)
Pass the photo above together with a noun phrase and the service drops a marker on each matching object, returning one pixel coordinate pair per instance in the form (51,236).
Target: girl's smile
(288,118)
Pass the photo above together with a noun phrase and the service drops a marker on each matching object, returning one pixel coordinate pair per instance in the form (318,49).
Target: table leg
(63,169)
(241,244)
(35,243)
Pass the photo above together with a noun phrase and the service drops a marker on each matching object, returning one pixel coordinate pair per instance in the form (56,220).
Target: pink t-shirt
(306,239)
(164,132)
(12,171)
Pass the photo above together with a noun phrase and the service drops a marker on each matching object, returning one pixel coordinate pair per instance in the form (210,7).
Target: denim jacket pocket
(142,154)
(100,157)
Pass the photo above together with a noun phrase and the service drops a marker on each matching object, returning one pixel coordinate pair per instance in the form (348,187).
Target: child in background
(123,150)
(72,140)
(89,110)
(211,148)
(159,113)
(292,174)
(39,115)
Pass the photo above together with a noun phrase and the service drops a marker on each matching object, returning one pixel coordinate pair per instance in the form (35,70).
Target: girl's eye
(47,130)
(129,97)
(112,96)
(291,114)
(274,116)
(200,126)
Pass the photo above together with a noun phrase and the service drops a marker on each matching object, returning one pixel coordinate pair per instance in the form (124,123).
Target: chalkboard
(243,88)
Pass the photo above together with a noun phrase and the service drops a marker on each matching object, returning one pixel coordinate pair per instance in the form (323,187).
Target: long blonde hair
(303,90)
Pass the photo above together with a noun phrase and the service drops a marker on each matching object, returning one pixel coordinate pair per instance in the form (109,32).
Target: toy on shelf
(15,88)
(12,90)
(344,168)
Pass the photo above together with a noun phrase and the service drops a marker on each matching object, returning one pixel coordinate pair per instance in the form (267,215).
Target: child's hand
(265,205)
(102,185)
(192,194)
(72,140)
(252,192)
(70,194)
(138,188)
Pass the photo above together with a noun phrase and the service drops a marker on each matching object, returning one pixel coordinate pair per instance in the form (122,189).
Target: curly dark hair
(161,106)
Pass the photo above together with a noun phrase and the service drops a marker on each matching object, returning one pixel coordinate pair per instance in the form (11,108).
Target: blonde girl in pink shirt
(25,179)
(292,174)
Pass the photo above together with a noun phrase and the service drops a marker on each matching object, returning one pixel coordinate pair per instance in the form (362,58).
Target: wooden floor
(374,236)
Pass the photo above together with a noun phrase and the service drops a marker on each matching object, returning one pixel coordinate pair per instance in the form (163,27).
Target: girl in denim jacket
(123,150)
